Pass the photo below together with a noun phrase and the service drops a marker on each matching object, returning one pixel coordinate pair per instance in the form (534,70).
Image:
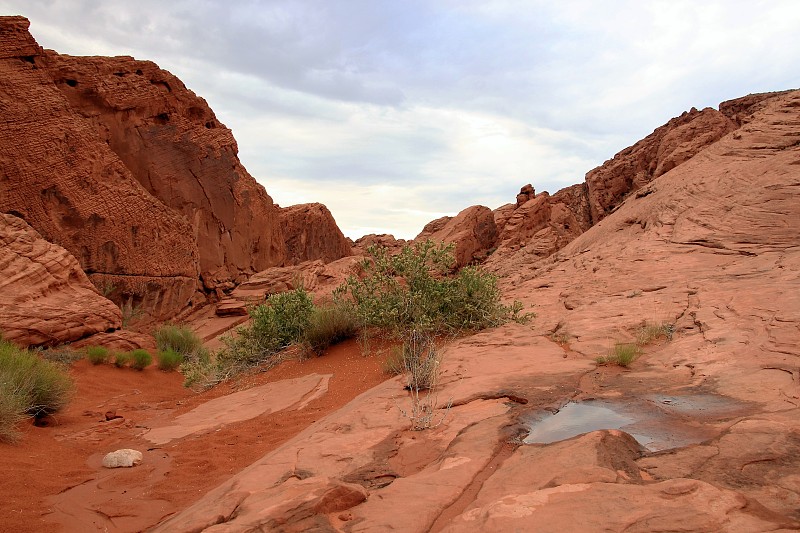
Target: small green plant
(623,354)
(122,359)
(328,325)
(97,355)
(180,339)
(29,387)
(275,325)
(169,359)
(140,359)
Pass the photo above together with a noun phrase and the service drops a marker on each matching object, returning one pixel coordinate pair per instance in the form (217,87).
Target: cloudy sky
(394,113)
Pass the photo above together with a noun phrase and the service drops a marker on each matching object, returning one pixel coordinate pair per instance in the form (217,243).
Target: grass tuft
(140,359)
(328,325)
(29,387)
(623,354)
(169,359)
(97,355)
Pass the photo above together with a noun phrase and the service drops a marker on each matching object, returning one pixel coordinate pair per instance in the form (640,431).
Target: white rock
(122,458)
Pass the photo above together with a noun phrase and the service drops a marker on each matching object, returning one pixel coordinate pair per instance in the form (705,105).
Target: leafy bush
(414,290)
(275,325)
(140,359)
(29,386)
(169,359)
(97,354)
(122,359)
(328,325)
(179,339)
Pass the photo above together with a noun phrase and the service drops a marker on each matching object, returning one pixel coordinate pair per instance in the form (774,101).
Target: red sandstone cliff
(118,162)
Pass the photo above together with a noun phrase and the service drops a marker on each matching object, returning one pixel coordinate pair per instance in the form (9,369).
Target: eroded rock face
(174,146)
(117,161)
(46,298)
(542,224)
(473,232)
(383,240)
(668,146)
(311,233)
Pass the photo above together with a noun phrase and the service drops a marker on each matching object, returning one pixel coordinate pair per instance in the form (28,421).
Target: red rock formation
(384,240)
(58,176)
(46,299)
(174,146)
(473,232)
(117,161)
(311,233)
(667,147)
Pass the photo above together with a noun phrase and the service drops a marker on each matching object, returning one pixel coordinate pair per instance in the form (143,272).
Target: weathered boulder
(473,232)
(45,298)
(383,240)
(311,233)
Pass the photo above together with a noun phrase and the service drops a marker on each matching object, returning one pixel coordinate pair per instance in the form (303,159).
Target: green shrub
(179,339)
(275,325)
(414,290)
(328,325)
(29,386)
(140,359)
(169,359)
(623,354)
(122,359)
(97,354)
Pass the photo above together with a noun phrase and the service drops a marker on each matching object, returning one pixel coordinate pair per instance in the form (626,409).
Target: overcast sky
(393,113)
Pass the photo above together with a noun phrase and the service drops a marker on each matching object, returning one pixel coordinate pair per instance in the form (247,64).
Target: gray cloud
(458,101)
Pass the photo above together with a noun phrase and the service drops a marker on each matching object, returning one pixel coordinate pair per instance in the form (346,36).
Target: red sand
(50,460)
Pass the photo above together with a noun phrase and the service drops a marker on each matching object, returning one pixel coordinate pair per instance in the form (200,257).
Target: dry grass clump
(29,387)
(328,325)
(623,354)
(650,332)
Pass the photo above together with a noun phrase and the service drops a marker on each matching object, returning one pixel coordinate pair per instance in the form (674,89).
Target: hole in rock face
(28,59)
(71,83)
(162,118)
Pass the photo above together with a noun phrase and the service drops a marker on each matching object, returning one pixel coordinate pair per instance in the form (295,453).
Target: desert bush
(140,359)
(328,325)
(29,386)
(62,355)
(415,290)
(275,325)
(421,363)
(122,359)
(179,339)
(97,355)
(623,354)
(169,359)
(650,332)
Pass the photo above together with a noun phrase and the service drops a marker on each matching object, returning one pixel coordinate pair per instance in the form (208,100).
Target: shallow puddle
(658,422)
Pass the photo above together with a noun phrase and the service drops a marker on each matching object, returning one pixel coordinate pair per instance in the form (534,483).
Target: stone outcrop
(311,233)
(45,298)
(708,439)
(173,145)
(57,175)
(118,162)
(473,232)
(383,240)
